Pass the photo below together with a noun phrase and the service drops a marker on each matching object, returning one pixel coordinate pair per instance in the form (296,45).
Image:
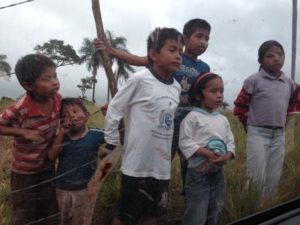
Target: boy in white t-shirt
(148,101)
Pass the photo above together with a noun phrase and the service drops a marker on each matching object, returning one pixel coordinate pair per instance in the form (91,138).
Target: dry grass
(241,200)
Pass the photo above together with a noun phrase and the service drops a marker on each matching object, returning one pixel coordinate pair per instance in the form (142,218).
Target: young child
(76,147)
(148,101)
(207,142)
(195,37)
(261,106)
(33,121)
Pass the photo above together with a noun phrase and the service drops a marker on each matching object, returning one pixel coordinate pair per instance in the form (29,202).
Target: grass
(241,199)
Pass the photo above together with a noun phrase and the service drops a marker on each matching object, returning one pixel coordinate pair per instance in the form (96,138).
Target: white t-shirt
(148,106)
(200,126)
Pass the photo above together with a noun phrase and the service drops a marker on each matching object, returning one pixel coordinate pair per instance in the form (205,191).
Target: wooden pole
(294,39)
(104,56)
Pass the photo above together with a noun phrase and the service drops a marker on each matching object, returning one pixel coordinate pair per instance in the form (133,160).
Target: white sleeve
(187,144)
(229,138)
(117,109)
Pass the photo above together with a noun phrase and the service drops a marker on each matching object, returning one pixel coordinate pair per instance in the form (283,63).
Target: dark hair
(30,67)
(265,47)
(190,27)
(198,85)
(158,37)
(72,101)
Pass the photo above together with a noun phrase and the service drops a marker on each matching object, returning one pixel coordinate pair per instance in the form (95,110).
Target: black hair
(72,101)
(198,85)
(190,26)
(265,47)
(30,67)
(158,37)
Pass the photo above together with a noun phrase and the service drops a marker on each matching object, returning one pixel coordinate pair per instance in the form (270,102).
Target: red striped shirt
(29,157)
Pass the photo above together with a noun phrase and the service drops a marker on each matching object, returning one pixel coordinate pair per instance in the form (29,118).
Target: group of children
(170,105)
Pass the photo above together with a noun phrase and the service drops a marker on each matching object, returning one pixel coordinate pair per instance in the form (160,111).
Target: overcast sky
(239,27)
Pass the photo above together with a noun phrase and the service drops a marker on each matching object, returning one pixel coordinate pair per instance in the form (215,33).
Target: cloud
(238,29)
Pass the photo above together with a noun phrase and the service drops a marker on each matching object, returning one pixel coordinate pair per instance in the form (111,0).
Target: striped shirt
(29,157)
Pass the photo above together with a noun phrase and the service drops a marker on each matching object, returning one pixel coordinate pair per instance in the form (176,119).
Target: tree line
(64,54)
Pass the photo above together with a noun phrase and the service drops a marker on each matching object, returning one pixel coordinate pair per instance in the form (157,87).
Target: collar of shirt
(268,76)
(203,111)
(33,111)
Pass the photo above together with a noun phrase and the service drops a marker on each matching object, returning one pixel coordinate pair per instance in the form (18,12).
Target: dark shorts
(32,201)
(141,198)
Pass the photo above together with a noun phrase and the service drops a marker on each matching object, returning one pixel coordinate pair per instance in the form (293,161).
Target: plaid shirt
(29,157)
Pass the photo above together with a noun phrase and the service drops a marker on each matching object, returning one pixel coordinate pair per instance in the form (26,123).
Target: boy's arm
(31,135)
(119,54)
(116,110)
(294,104)
(56,147)
(242,106)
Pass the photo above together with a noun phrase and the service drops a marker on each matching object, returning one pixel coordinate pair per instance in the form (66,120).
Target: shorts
(75,206)
(142,197)
(33,200)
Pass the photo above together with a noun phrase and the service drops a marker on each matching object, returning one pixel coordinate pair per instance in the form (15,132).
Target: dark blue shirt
(185,75)
(78,160)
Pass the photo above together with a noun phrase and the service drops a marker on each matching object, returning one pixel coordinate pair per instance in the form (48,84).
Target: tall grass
(241,200)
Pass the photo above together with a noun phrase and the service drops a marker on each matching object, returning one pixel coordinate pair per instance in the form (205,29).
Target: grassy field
(240,201)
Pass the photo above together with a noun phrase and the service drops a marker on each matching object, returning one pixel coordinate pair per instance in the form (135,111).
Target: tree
(62,54)
(86,83)
(123,69)
(89,56)
(4,66)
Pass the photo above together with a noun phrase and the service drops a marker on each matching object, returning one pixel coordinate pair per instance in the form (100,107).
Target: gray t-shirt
(270,98)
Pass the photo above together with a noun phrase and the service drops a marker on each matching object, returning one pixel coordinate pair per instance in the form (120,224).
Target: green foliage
(4,66)
(62,54)
(86,83)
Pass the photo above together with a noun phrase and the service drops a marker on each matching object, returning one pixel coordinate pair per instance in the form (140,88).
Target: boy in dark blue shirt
(76,147)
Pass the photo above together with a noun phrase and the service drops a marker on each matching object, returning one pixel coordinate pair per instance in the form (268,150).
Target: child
(207,142)
(76,146)
(195,37)
(33,121)
(148,101)
(261,106)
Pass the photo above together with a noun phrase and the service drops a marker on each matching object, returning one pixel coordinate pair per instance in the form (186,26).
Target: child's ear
(27,86)
(153,55)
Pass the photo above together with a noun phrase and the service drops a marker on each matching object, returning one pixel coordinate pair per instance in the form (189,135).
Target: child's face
(46,85)
(197,43)
(212,95)
(273,60)
(74,115)
(168,60)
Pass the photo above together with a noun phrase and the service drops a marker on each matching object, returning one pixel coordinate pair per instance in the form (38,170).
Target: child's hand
(207,153)
(103,44)
(32,135)
(104,109)
(222,159)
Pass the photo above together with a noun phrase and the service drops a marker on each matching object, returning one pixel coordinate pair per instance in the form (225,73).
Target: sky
(239,27)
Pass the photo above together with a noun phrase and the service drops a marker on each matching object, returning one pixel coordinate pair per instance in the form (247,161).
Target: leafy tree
(62,54)
(89,56)
(123,69)
(86,83)
(4,66)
